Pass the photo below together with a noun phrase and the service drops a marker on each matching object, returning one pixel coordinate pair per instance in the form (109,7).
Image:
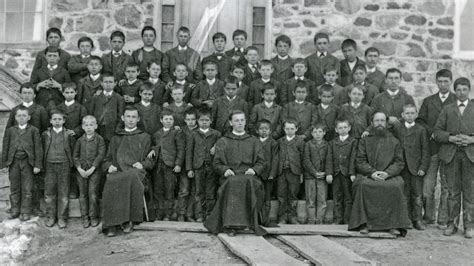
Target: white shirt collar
(343,138)
(299,78)
(130,129)
(22,127)
(283,57)
(108,93)
(85,56)
(263,139)
(166,129)
(130,82)
(204,130)
(145,104)
(239,49)
(394,93)
(238,134)
(355,105)
(268,105)
(443,97)
(464,102)
(182,48)
(299,102)
(50,67)
(211,81)
(290,138)
(69,103)
(352,64)
(25,104)
(253,66)
(154,81)
(119,53)
(265,80)
(57,130)
(331,84)
(371,70)
(231,99)
(409,125)
(324,106)
(181,82)
(178,104)
(324,54)
(94,77)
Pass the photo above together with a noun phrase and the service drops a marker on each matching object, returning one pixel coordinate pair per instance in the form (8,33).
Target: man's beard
(380,131)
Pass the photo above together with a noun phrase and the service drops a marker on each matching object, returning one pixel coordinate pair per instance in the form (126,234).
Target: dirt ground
(78,246)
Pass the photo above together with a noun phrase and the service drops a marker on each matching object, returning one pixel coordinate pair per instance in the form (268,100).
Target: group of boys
(308,113)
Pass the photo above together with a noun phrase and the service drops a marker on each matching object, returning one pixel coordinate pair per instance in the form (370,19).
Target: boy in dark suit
(321,59)
(454,131)
(180,72)
(89,86)
(238,71)
(359,78)
(116,60)
(239,37)
(252,67)
(169,151)
(356,112)
(374,75)
(290,171)
(57,165)
(178,106)
(147,53)
(267,110)
(265,69)
(327,111)
(340,170)
(53,38)
(77,65)
(159,87)
(299,68)
(49,79)
(349,50)
(149,111)
(182,54)
(223,61)
(414,141)
(282,62)
(208,90)
(130,89)
(22,154)
(340,94)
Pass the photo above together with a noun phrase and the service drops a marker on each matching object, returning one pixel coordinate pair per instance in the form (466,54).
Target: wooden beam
(325,230)
(322,251)
(172,226)
(255,250)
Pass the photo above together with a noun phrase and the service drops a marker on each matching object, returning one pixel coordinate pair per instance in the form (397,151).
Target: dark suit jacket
(30,140)
(222,108)
(255,91)
(328,116)
(46,137)
(392,107)
(451,122)
(44,96)
(377,79)
(86,89)
(141,57)
(415,146)
(77,67)
(108,112)
(306,114)
(295,151)
(272,114)
(341,157)
(169,146)
(85,158)
(270,153)
(314,158)
(159,93)
(345,73)
(117,65)
(282,69)
(193,62)
(288,87)
(132,90)
(39,118)
(149,117)
(360,118)
(249,75)
(316,66)
(370,91)
(40,60)
(242,61)
(187,93)
(198,147)
(340,94)
(74,115)
(203,92)
(244,92)
(224,65)
(428,115)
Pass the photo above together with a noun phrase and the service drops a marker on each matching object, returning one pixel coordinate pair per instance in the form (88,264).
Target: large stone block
(128,16)
(281,12)
(447,21)
(398,35)
(348,6)
(309,23)
(104,43)
(448,46)
(432,7)
(372,7)
(361,21)
(69,26)
(415,50)
(55,22)
(416,20)
(442,33)
(90,23)
(100,4)
(310,3)
(69,5)
(291,25)
(386,22)
(386,48)
(11,63)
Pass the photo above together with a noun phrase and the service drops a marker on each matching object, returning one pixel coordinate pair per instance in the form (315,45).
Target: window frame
(457,52)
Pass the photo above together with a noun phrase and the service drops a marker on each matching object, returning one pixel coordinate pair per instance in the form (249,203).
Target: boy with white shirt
(148,52)
(208,90)
(159,87)
(374,75)
(180,73)
(356,112)
(299,69)
(90,85)
(282,62)
(77,65)
(321,59)
(223,61)
(267,110)
(149,111)
(265,69)
(130,89)
(237,54)
(251,67)
(330,77)
(243,92)
(349,50)
(327,111)
(178,106)
(117,59)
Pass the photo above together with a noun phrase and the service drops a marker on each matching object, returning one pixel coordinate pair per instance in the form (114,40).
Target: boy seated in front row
(290,171)
(330,76)
(356,112)
(208,90)
(200,150)
(89,152)
(299,69)
(340,170)
(89,86)
(130,89)
(223,61)
(22,154)
(316,187)
(265,69)
(149,111)
(328,111)
(180,73)
(57,164)
(169,152)
(267,110)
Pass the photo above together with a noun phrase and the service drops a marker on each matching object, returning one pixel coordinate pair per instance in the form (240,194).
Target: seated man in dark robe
(238,162)
(125,164)
(379,201)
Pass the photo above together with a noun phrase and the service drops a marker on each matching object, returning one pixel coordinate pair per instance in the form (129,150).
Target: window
(21,21)
(258,29)
(463,25)
(167,27)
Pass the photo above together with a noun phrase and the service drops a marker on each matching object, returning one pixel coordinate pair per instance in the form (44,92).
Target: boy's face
(230,90)
(108,83)
(409,114)
(57,120)
(146,95)
(372,58)
(210,71)
(27,94)
(130,118)
(54,39)
(266,71)
(393,81)
(219,45)
(252,57)
(356,95)
(330,77)
(117,43)
(69,94)
(177,95)
(290,129)
(349,53)
(239,41)
(154,70)
(299,70)
(148,38)
(300,94)
(52,58)
(444,83)
(343,128)
(85,48)
(318,134)
(89,126)
(167,121)
(269,95)
(326,97)
(238,73)
(183,38)
(322,45)
(263,130)
(131,73)
(238,122)
(22,117)
(359,76)
(180,72)
(204,122)
(190,120)
(282,48)
(462,92)
(94,66)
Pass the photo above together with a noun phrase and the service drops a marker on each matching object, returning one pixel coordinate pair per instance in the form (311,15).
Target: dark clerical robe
(379,204)
(240,197)
(124,189)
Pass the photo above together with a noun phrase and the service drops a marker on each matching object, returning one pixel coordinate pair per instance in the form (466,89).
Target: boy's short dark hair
(284,39)
(262,122)
(329,69)
(95,57)
(88,117)
(359,87)
(166,112)
(70,85)
(57,112)
(349,43)
(319,126)
(291,121)
(393,70)
(268,86)
(231,80)
(320,35)
(208,62)
(156,62)
(342,120)
(370,50)
(326,88)
(239,32)
(301,84)
(180,64)
(146,86)
(148,28)
(177,86)
(204,111)
(239,66)
(265,62)
(184,29)
(119,34)
(445,73)
(251,48)
(22,108)
(133,64)
(54,30)
(462,81)
(219,35)
(409,105)
(299,60)
(27,85)
(191,111)
(108,74)
(131,108)
(85,39)
(236,112)
(359,67)
(51,49)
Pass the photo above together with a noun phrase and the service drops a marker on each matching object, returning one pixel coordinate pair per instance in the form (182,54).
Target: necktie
(443,98)
(321,55)
(462,106)
(254,68)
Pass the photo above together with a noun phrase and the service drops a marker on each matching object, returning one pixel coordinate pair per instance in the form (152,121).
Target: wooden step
(172,226)
(322,229)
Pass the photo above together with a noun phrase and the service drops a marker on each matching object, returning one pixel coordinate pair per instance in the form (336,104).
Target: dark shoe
(181,218)
(293,220)
(282,221)
(190,219)
(86,222)
(231,232)
(430,221)
(94,222)
(38,212)
(13,215)
(25,217)
(468,233)
(450,230)
(442,226)
(49,222)
(311,222)
(166,219)
(111,231)
(419,225)
(128,227)
(395,232)
(364,230)
(62,223)
(174,217)
(272,224)
(199,220)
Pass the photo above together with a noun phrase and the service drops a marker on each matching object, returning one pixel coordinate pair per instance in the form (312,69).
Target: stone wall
(415,36)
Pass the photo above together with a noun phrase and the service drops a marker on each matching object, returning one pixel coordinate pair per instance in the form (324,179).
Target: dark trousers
(269,187)
(56,189)
(21,186)
(460,180)
(164,185)
(206,188)
(183,193)
(88,194)
(288,188)
(342,197)
(429,187)
(413,195)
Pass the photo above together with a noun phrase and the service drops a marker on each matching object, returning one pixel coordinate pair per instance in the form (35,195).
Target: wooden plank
(322,229)
(172,226)
(255,250)
(322,251)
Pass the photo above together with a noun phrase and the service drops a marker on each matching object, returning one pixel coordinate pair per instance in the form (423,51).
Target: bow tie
(321,55)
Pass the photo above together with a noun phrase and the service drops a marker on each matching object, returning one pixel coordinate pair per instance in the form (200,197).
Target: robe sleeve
(397,165)
(259,163)
(220,162)
(362,162)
